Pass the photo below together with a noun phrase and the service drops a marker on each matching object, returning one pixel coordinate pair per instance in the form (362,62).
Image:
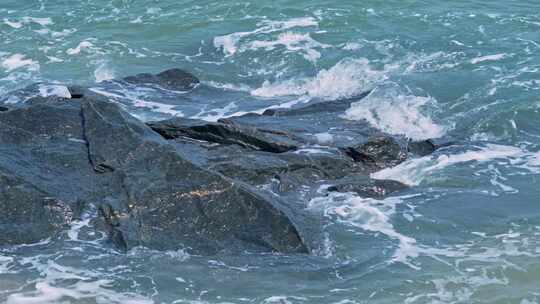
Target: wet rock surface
(173,79)
(29,214)
(223,133)
(233,185)
(379,152)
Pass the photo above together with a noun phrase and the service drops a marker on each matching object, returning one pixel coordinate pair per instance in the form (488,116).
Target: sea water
(466,231)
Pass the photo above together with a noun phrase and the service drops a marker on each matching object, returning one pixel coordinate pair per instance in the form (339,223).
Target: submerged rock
(173,79)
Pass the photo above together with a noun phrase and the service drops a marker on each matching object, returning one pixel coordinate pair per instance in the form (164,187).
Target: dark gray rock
(428,146)
(367,187)
(221,133)
(168,200)
(147,194)
(304,123)
(29,214)
(421,148)
(76,92)
(339,105)
(379,152)
(259,167)
(4,109)
(173,79)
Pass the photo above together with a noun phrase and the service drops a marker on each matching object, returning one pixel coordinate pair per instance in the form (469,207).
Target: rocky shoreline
(230,185)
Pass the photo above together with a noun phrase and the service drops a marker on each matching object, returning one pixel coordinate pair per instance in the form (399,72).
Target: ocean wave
(395,112)
(370,215)
(413,172)
(347,78)
(230,43)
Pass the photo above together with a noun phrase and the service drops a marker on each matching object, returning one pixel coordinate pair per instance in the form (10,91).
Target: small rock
(173,79)
(379,152)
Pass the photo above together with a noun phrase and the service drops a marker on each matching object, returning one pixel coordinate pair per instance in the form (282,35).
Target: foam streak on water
(229,43)
(370,215)
(413,172)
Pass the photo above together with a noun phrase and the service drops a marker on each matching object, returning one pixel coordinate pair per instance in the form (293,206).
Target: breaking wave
(347,78)
(397,113)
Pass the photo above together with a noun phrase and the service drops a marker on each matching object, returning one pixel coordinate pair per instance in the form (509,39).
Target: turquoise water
(468,229)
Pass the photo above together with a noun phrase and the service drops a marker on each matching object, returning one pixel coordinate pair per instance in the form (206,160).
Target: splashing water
(397,113)
(347,78)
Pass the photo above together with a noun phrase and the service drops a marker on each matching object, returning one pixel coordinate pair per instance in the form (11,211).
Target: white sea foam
(394,112)
(216,114)
(230,43)
(103,72)
(293,42)
(53,59)
(532,162)
(5,262)
(153,10)
(26,20)
(13,24)
(54,90)
(324,138)
(488,58)
(46,293)
(369,215)
(284,105)
(347,78)
(312,150)
(295,22)
(62,284)
(42,31)
(40,21)
(352,46)
(83,45)
(283,300)
(17,61)
(414,171)
(483,262)
(136,101)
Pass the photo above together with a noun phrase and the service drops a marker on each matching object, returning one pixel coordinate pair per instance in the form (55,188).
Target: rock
(236,185)
(258,168)
(29,214)
(367,187)
(170,201)
(173,79)
(4,109)
(304,122)
(428,146)
(76,92)
(230,133)
(379,152)
(339,105)
(89,150)
(421,148)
